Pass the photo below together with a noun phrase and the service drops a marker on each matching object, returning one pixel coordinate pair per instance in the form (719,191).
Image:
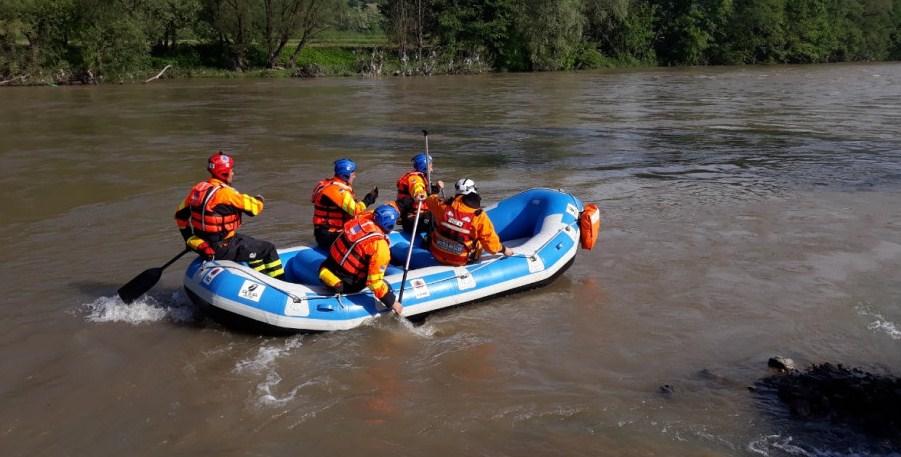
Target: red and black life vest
(454,239)
(211,218)
(349,250)
(326,211)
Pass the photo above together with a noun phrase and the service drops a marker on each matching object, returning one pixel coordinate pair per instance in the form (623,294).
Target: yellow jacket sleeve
(378,263)
(344,199)
(249,205)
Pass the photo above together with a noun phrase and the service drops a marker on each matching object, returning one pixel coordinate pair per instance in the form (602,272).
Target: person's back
(359,256)
(334,203)
(210,216)
(462,230)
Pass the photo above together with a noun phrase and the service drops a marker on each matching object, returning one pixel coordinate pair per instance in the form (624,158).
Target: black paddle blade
(140,284)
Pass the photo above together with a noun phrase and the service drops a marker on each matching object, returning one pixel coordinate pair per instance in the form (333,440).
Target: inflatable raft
(541,226)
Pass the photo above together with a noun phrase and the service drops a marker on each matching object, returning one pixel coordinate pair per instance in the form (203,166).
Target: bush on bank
(55,41)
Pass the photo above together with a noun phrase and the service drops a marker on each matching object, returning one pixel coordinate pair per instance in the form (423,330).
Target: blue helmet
(344,168)
(385,216)
(421,162)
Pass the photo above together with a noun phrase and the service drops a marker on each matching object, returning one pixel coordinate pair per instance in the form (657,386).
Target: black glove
(373,194)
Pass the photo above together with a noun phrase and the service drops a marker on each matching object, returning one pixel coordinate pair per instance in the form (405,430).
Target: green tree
(551,31)
(623,29)
(756,33)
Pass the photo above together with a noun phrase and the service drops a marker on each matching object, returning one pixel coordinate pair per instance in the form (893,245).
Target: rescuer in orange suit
(209,218)
(461,229)
(334,203)
(412,188)
(359,256)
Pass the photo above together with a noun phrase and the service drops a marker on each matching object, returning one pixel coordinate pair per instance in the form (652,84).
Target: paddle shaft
(403,280)
(172,260)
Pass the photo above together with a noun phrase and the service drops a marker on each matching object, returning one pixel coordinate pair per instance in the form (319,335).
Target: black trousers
(325,238)
(259,255)
(425,223)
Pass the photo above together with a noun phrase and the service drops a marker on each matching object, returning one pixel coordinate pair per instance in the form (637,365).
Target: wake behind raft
(544,227)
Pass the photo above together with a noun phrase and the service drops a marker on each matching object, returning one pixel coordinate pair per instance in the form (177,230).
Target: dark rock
(867,401)
(781,364)
(666,389)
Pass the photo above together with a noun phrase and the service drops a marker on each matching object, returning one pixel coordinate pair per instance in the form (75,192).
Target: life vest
(211,218)
(327,212)
(349,251)
(589,226)
(405,203)
(453,241)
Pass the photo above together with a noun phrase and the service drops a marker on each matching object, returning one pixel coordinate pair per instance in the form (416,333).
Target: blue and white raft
(541,226)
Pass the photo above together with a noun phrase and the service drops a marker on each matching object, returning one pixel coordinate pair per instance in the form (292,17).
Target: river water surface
(747,212)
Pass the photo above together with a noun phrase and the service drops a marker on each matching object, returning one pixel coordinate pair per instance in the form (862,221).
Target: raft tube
(540,225)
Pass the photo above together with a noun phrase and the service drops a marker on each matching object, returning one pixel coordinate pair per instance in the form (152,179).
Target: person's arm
(183,217)
(183,220)
(345,200)
(488,237)
(417,188)
(251,206)
(375,278)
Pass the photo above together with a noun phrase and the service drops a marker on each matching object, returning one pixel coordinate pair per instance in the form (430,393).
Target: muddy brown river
(747,212)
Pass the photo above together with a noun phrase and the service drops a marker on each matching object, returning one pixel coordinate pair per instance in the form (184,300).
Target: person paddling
(412,188)
(359,256)
(334,203)
(210,216)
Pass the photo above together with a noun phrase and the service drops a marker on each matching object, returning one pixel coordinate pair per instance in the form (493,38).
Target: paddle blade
(140,284)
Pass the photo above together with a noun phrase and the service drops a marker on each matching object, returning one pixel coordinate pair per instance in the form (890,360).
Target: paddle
(428,169)
(144,281)
(403,280)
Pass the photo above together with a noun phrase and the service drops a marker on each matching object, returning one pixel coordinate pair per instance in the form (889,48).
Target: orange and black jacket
(212,212)
(411,185)
(460,232)
(362,252)
(334,204)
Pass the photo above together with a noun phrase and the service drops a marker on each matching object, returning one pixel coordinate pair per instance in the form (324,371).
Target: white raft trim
(302,323)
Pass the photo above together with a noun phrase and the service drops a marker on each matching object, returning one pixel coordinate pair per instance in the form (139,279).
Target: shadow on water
(833,410)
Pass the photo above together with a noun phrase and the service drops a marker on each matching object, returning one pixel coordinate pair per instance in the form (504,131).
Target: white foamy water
(778,445)
(144,310)
(264,362)
(267,355)
(880,324)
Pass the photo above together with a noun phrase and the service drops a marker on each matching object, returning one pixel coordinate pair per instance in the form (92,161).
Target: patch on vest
(450,246)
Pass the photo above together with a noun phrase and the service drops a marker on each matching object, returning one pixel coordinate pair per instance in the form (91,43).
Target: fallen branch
(22,77)
(159,74)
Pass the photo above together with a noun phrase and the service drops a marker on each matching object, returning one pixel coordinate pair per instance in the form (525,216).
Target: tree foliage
(94,39)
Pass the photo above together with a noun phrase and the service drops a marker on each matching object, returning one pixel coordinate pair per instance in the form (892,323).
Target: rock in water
(871,402)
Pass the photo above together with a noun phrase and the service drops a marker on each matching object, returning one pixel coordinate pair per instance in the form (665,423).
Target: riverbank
(197,61)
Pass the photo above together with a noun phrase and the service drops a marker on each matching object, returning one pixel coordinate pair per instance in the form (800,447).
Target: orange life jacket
(405,203)
(454,241)
(327,212)
(211,218)
(349,250)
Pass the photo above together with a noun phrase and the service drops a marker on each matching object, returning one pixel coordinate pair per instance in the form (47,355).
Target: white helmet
(466,186)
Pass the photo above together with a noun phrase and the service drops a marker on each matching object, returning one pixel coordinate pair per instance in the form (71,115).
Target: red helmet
(220,164)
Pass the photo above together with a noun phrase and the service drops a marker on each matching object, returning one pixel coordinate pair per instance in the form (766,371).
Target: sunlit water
(747,212)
